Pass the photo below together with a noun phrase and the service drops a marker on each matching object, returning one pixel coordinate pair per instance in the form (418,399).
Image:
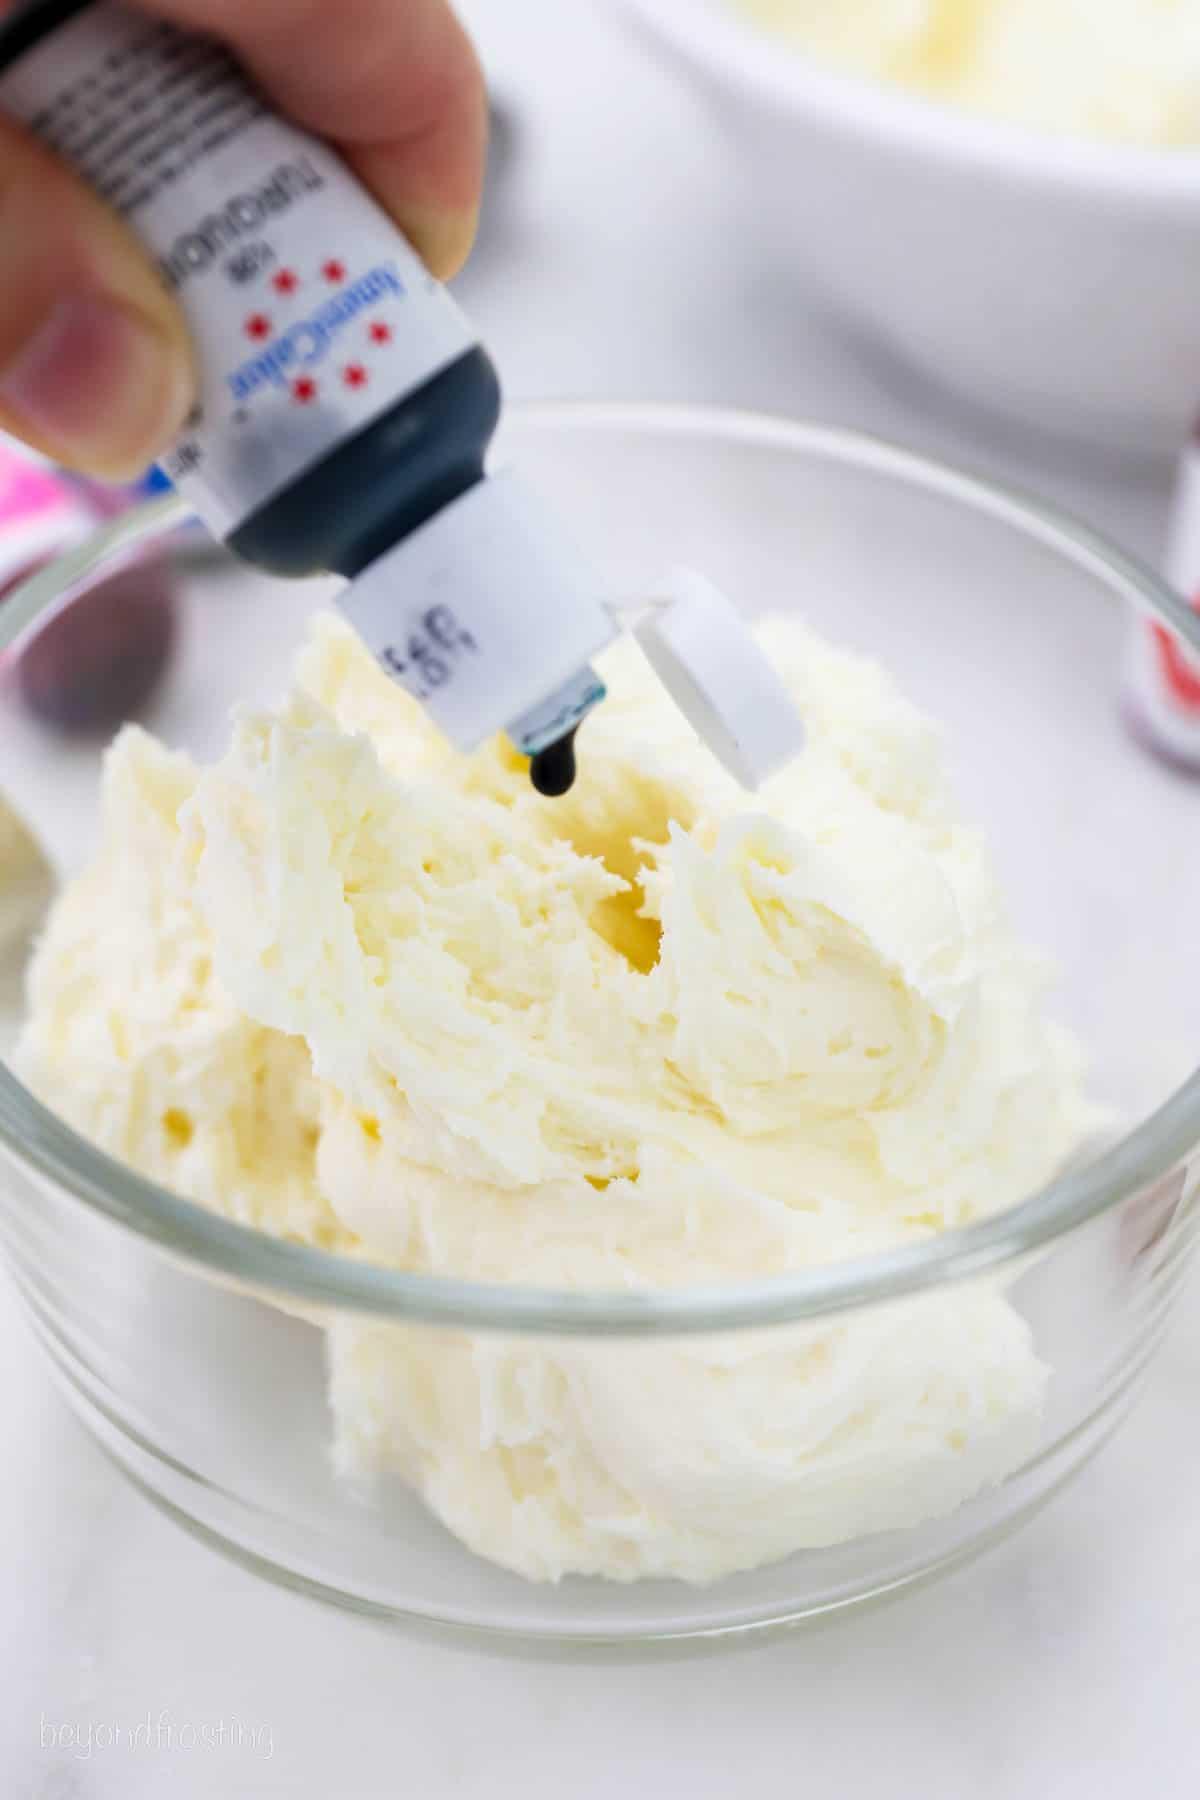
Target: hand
(95,362)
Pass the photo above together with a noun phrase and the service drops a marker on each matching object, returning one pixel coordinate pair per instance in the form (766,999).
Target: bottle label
(310,312)
(1164,672)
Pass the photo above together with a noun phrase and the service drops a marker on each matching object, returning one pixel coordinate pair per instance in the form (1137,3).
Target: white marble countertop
(1061,1666)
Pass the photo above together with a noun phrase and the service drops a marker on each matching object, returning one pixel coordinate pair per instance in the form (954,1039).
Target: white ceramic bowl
(1051,280)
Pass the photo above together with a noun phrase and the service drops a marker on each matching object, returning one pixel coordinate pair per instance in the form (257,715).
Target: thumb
(95,363)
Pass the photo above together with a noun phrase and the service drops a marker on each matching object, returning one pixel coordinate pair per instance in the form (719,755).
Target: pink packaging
(40,514)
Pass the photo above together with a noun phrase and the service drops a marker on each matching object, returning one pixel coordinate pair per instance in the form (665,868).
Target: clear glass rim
(32,1136)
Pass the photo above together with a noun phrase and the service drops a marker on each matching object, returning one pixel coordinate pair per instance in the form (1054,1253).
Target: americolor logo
(309,341)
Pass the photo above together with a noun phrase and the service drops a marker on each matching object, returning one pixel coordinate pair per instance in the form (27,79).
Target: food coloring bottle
(346,406)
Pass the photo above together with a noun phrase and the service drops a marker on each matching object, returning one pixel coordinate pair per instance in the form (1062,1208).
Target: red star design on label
(334,270)
(304,390)
(258,326)
(381,333)
(286,282)
(355,376)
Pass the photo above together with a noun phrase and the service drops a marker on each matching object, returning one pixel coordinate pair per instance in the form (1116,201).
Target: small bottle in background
(1163,674)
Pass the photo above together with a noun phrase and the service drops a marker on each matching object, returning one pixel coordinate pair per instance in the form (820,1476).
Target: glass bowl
(194,1349)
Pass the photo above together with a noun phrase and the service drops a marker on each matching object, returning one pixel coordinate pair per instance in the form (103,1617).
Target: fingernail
(98,385)
(442,236)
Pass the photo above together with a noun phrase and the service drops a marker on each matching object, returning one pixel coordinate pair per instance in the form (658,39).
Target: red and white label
(311,313)
(1164,671)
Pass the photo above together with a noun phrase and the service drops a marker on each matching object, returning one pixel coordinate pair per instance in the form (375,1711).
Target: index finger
(394,84)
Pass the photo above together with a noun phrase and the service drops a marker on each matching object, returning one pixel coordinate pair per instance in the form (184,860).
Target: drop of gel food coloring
(553,770)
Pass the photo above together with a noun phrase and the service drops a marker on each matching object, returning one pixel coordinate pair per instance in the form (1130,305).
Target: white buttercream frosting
(25,881)
(358,991)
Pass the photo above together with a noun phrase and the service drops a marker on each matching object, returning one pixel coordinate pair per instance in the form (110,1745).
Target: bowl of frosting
(1006,195)
(660,1210)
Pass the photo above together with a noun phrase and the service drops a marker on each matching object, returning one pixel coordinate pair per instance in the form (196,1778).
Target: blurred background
(637,244)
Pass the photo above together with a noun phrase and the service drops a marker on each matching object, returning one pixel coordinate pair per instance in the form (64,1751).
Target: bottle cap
(489,619)
(706,656)
(485,616)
